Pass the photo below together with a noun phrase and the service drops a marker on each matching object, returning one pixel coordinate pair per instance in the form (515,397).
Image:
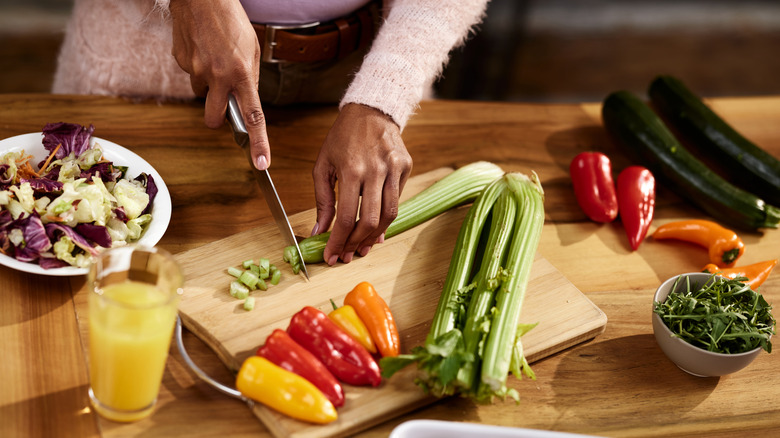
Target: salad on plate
(60,210)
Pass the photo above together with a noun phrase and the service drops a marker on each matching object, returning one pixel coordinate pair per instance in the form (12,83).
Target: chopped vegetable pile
(250,277)
(75,202)
(722,316)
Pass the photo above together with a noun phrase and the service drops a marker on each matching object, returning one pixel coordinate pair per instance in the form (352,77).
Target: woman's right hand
(215,43)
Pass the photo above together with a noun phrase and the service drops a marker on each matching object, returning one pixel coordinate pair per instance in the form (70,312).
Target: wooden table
(619,384)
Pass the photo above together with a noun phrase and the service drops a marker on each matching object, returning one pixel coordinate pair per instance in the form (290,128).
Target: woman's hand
(363,152)
(215,43)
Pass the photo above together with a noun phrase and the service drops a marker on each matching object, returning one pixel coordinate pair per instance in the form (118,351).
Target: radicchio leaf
(5,220)
(55,230)
(96,233)
(73,137)
(6,179)
(120,214)
(53,173)
(44,185)
(151,189)
(35,238)
(105,169)
(51,262)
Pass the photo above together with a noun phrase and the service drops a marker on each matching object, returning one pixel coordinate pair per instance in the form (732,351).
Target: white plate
(161,210)
(453,429)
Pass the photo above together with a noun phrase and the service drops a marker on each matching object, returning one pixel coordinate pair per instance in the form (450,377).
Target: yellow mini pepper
(284,391)
(348,320)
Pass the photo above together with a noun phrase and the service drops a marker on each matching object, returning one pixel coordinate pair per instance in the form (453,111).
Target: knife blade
(264,180)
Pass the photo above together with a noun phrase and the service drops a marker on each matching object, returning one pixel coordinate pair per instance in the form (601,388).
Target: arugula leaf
(723,315)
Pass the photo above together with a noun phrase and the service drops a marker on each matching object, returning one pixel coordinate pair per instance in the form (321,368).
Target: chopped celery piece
(236,288)
(249,303)
(247,263)
(261,284)
(249,279)
(242,294)
(254,268)
(276,276)
(264,264)
(235,272)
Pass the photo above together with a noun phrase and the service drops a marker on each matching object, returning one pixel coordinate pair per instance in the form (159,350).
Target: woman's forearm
(410,52)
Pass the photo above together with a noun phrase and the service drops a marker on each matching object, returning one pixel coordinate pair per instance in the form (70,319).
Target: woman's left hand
(364,152)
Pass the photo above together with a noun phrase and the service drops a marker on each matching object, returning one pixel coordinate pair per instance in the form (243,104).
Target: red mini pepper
(591,176)
(283,351)
(636,200)
(349,361)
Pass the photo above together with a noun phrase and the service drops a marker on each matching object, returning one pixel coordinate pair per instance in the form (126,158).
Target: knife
(241,137)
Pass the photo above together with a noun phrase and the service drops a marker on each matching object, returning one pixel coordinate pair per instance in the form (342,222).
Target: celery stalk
(462,261)
(459,187)
(486,342)
(497,356)
(477,322)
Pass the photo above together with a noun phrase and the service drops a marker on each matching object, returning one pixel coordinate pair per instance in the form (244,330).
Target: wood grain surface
(618,385)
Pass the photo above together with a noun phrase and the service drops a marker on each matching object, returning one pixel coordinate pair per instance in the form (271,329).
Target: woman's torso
(299,11)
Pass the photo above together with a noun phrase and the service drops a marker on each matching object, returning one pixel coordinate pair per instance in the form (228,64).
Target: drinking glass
(133,299)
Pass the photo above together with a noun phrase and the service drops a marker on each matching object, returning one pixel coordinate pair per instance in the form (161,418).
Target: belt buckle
(267,54)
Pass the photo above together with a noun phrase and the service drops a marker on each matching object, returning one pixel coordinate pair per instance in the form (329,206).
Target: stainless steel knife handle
(241,137)
(236,120)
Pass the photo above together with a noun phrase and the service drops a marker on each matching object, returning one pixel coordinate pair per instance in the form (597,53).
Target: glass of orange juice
(134,294)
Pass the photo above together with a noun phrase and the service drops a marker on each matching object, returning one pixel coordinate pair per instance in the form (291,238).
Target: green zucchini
(688,114)
(643,136)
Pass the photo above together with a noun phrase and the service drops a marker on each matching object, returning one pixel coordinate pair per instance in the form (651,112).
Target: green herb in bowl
(721,316)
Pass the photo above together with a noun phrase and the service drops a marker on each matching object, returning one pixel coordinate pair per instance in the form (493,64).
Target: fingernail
(315,229)
(346,258)
(381,238)
(364,250)
(261,163)
(333,259)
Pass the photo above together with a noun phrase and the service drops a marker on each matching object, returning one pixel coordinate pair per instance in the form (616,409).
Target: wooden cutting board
(408,270)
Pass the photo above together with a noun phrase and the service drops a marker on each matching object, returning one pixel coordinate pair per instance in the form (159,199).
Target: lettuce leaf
(132,197)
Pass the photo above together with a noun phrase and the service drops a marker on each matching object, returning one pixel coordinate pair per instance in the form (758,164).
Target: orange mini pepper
(349,321)
(284,391)
(724,245)
(756,273)
(375,314)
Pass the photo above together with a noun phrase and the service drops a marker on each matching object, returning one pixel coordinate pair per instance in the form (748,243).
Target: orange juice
(130,329)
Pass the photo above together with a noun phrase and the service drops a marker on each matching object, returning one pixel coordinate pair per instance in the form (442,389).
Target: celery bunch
(474,340)
(458,187)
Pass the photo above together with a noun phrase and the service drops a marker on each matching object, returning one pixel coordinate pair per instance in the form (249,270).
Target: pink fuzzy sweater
(123,47)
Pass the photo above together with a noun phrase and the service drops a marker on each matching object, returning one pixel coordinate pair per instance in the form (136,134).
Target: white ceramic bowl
(690,358)
(161,210)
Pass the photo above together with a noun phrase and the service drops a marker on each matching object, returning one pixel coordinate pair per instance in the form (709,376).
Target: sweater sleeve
(410,52)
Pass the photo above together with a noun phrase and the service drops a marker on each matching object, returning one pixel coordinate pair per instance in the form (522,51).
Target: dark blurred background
(535,51)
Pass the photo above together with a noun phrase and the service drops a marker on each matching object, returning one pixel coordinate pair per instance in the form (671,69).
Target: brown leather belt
(316,41)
